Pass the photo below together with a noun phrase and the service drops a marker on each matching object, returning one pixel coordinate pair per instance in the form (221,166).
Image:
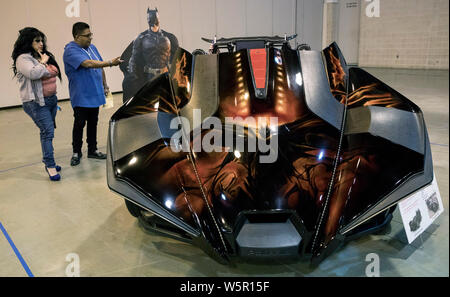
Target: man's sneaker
(75,159)
(97,155)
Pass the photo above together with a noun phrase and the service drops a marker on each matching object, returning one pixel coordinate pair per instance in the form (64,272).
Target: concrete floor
(46,221)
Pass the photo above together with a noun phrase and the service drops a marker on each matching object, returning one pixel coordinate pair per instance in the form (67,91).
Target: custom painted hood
(347,148)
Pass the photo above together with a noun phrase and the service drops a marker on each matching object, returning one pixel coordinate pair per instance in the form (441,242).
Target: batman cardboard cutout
(149,55)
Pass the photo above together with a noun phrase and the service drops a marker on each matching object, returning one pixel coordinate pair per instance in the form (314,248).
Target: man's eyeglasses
(88,35)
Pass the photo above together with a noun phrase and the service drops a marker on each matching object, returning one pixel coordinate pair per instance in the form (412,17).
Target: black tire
(303,47)
(134,210)
(374,225)
(198,52)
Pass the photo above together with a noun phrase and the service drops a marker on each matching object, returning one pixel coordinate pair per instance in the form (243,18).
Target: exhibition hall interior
(224,138)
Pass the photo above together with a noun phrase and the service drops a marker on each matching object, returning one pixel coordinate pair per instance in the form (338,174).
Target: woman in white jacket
(36,70)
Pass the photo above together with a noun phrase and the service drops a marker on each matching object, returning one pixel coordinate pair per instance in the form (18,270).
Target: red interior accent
(258,58)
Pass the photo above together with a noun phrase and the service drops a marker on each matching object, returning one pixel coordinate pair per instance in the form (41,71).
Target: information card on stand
(419,210)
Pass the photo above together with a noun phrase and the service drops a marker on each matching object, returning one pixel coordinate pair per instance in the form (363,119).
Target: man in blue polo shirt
(87,86)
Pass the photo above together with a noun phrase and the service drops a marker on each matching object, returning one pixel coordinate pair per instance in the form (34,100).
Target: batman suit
(147,56)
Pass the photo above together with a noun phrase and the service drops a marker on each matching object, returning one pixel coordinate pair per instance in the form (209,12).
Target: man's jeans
(44,118)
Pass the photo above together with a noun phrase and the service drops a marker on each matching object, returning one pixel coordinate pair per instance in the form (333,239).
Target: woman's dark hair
(23,45)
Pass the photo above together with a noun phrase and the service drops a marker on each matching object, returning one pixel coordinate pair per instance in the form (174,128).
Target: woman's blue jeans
(44,118)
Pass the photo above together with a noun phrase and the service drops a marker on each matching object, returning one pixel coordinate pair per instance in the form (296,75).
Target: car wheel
(134,210)
(303,47)
(198,52)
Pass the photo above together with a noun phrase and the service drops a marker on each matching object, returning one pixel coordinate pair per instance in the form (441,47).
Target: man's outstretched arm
(101,64)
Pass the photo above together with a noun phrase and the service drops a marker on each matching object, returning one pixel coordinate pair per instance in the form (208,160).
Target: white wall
(115,23)
(341,25)
(408,34)
(52,21)
(309,22)
(330,22)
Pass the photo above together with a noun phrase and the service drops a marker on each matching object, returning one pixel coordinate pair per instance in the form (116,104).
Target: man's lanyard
(87,52)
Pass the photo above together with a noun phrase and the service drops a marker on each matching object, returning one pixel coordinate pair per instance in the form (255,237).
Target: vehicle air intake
(267,235)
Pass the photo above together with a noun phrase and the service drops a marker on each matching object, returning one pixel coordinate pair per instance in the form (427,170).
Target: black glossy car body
(349,149)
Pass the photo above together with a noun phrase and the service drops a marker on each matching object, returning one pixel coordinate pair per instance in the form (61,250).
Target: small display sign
(419,210)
